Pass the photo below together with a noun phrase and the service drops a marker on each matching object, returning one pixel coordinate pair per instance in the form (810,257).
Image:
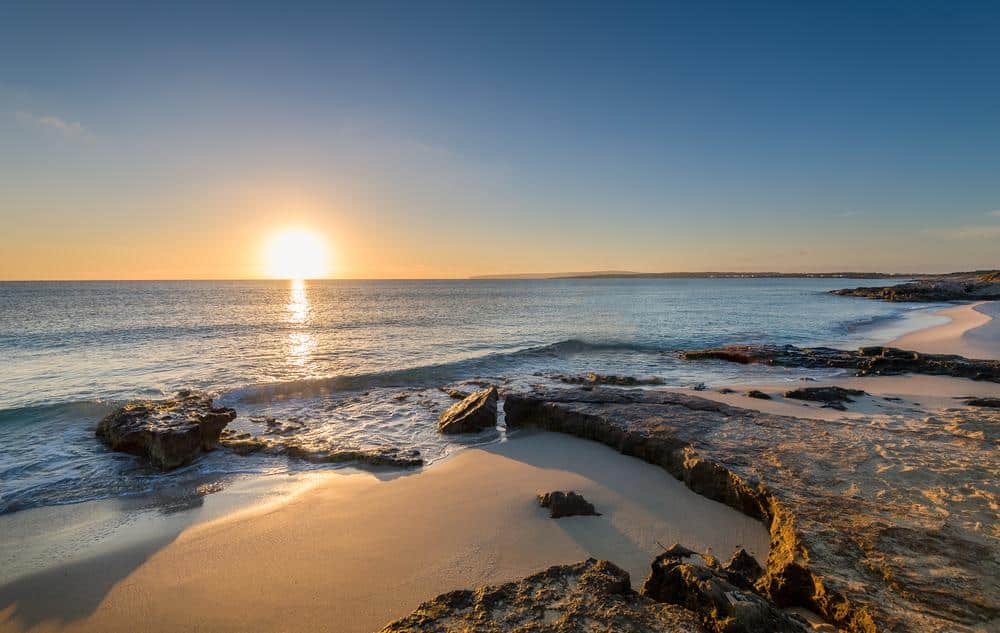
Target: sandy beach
(351,552)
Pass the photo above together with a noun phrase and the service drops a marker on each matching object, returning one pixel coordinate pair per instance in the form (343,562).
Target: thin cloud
(69,129)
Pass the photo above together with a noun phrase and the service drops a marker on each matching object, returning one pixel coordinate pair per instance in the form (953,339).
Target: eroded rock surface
(586,597)
(721,595)
(876,360)
(473,414)
(976,286)
(888,523)
(169,433)
(566,504)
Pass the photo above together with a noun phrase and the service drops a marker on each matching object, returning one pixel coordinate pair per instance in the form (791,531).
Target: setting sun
(296,254)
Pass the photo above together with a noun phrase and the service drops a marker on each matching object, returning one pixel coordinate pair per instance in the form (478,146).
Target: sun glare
(297,254)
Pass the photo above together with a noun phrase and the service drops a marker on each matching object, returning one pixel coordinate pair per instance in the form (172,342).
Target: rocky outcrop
(993,403)
(976,286)
(169,433)
(607,379)
(582,598)
(473,414)
(320,452)
(884,524)
(722,595)
(876,360)
(832,397)
(566,504)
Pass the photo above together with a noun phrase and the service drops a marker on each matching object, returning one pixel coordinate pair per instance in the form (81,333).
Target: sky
(424,139)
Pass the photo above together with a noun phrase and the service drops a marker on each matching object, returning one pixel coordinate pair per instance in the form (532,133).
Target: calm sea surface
(359,362)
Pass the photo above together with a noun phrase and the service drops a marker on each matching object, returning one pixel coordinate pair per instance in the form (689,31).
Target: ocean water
(360,363)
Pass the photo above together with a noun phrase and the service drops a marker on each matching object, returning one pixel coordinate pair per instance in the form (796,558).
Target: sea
(363,364)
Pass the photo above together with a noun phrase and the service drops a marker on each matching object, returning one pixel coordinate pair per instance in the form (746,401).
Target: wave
(434,374)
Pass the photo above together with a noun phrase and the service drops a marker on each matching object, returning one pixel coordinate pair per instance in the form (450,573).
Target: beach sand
(351,552)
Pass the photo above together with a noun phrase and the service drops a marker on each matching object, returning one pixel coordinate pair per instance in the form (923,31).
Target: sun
(296,254)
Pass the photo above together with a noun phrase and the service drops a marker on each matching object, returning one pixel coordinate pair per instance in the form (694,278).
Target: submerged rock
(708,590)
(882,525)
(832,397)
(607,379)
(473,414)
(583,598)
(975,286)
(874,360)
(993,403)
(169,433)
(321,453)
(566,504)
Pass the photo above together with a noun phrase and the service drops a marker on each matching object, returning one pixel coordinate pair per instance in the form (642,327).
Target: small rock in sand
(566,504)
(756,393)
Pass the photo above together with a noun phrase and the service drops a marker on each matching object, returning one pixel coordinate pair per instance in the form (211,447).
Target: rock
(831,397)
(993,403)
(583,598)
(566,504)
(321,453)
(607,379)
(975,286)
(473,414)
(707,590)
(457,394)
(169,433)
(866,519)
(866,361)
(760,395)
(744,568)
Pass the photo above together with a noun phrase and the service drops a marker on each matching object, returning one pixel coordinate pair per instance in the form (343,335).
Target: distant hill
(622,274)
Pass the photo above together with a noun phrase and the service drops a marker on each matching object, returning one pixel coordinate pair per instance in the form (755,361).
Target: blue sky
(447,139)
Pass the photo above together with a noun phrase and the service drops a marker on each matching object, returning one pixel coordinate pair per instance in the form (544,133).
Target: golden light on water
(297,254)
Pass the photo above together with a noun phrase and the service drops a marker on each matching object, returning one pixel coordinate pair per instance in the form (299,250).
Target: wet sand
(353,552)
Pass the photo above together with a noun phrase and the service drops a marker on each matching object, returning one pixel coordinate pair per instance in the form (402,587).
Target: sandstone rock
(473,414)
(760,395)
(169,433)
(566,504)
(586,597)
(874,360)
(878,525)
(707,590)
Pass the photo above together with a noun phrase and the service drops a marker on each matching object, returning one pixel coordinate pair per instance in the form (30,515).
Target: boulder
(169,433)
(476,412)
(566,504)
(756,393)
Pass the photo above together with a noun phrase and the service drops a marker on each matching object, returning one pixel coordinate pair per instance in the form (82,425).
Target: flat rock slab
(866,361)
(833,397)
(583,598)
(882,524)
(566,504)
(476,412)
(169,433)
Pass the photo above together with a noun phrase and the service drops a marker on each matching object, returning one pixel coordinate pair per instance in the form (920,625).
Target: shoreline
(265,545)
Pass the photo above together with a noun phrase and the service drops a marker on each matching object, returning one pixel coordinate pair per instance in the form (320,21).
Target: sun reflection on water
(300,344)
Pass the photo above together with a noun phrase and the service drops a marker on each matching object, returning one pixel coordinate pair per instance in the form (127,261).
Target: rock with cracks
(169,433)
(582,598)
(566,504)
(473,414)
(877,524)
